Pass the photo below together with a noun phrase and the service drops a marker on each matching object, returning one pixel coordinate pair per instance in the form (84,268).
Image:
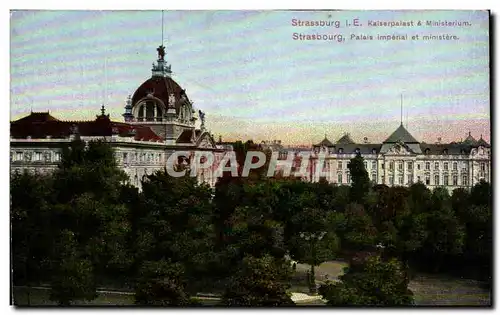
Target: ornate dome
(161,88)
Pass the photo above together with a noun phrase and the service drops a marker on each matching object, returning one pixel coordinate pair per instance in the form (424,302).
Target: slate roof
(185,136)
(345,139)
(324,143)
(401,134)
(37,128)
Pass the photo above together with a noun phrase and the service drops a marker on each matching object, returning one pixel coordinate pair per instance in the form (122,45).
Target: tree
(87,189)
(445,233)
(374,282)
(73,275)
(360,179)
(357,231)
(31,203)
(161,283)
(259,282)
(175,222)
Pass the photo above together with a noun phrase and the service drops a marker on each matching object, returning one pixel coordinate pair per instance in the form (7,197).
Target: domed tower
(160,103)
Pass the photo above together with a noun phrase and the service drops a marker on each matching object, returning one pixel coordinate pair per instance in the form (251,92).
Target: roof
(102,126)
(324,143)
(185,136)
(445,148)
(161,87)
(37,117)
(470,140)
(483,142)
(401,134)
(345,139)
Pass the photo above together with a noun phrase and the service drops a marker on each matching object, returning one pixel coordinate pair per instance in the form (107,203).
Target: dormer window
(341,150)
(445,151)
(374,151)
(427,151)
(357,151)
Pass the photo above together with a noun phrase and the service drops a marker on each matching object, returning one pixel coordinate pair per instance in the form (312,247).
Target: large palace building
(159,120)
(401,160)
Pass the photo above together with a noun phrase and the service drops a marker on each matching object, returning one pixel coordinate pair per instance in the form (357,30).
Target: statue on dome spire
(161,52)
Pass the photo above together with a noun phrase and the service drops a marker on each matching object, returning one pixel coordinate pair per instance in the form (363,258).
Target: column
(154,112)
(144,112)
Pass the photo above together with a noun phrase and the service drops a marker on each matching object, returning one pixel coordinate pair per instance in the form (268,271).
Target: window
(445,165)
(428,166)
(455,180)
(383,179)
(125,157)
(427,179)
(418,179)
(483,167)
(391,180)
(339,179)
(366,165)
(400,166)
(159,157)
(339,165)
(436,180)
(383,165)
(341,150)
(418,166)
(374,176)
(38,156)
(436,165)
(455,167)
(19,156)
(400,179)
(374,151)
(391,165)
(445,180)
(348,178)
(465,180)
(57,156)
(374,164)
(410,166)
(410,179)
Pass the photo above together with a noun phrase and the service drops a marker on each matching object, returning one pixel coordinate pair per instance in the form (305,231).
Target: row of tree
(83,227)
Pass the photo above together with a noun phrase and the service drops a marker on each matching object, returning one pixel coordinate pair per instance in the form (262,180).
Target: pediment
(399,149)
(205,142)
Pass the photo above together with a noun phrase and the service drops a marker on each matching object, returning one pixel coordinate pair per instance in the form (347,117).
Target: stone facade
(159,121)
(401,161)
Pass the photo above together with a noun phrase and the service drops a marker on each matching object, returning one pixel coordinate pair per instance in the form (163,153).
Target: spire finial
(162,27)
(103,110)
(401,109)
(469,133)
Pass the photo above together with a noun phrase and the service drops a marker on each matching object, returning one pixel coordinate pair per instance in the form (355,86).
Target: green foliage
(161,283)
(73,277)
(374,283)
(259,282)
(31,241)
(357,231)
(174,221)
(360,179)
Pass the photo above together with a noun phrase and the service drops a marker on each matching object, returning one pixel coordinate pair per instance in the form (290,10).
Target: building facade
(159,120)
(401,161)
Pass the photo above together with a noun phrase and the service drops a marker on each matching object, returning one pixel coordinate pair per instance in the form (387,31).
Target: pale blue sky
(244,69)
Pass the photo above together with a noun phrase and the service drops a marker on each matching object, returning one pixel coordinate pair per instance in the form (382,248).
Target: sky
(253,80)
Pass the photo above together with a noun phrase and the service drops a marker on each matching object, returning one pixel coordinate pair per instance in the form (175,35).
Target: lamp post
(312,238)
